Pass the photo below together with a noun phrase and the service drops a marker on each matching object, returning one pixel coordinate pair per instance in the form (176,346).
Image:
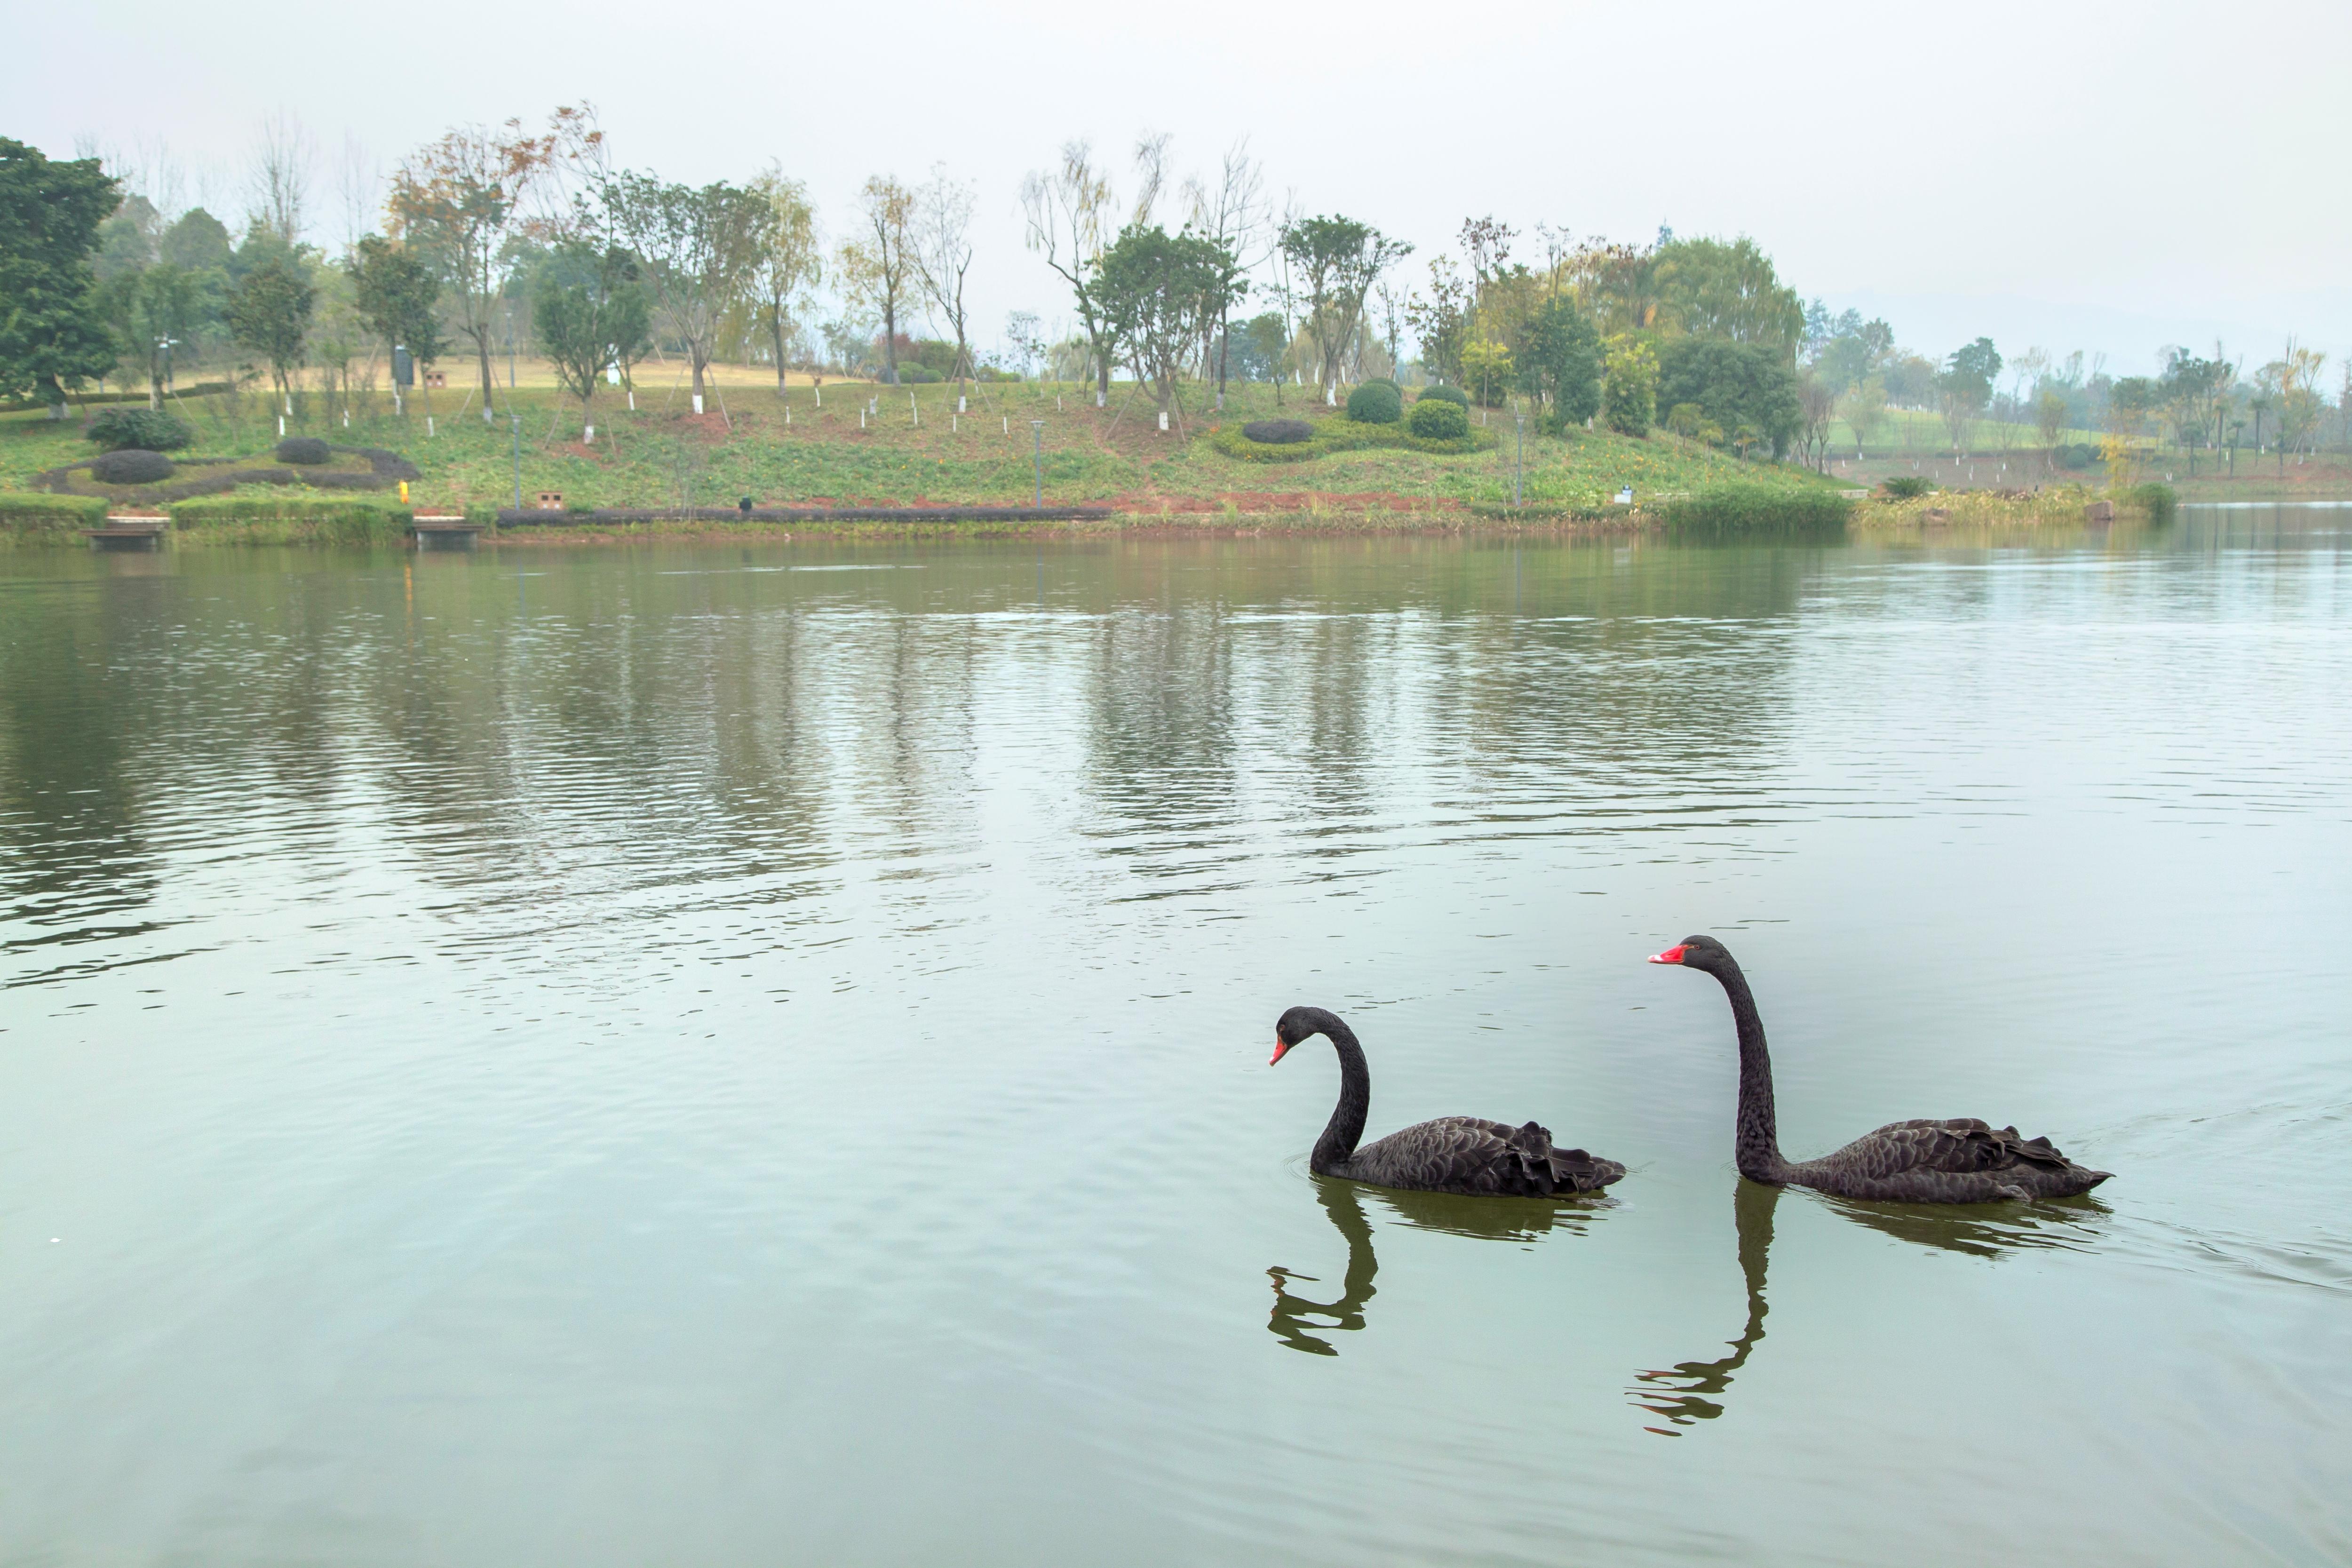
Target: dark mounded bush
(2075,455)
(1278,432)
(1388,382)
(1375,402)
(148,429)
(304,450)
(1907,486)
(1439,418)
(1453,395)
(129,466)
(918,374)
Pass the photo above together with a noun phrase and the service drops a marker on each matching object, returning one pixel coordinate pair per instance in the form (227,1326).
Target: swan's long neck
(1756,1138)
(1346,1127)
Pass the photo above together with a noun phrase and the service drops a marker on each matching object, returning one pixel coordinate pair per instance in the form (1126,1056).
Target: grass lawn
(913,449)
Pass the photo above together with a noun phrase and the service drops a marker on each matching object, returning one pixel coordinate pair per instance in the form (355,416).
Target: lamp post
(516,420)
(1037,437)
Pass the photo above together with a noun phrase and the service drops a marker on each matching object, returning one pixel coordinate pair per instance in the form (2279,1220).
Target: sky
(2109,177)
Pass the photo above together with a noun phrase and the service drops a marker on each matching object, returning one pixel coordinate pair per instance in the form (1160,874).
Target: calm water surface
(759,1057)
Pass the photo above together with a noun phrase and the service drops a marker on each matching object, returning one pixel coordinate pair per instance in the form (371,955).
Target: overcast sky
(2108,177)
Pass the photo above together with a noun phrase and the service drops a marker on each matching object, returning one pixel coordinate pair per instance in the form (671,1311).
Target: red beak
(1672,955)
(1280,1046)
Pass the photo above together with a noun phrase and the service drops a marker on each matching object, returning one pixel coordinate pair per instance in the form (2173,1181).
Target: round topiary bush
(1375,402)
(1278,432)
(130,466)
(303,449)
(1440,419)
(149,429)
(1453,395)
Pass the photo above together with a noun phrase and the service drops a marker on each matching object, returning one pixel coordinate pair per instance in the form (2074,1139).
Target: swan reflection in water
(1493,1219)
(1686,1393)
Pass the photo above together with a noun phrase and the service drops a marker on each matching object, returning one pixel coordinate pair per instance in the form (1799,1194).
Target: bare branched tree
(1067,211)
(877,266)
(942,256)
(1150,173)
(359,182)
(1231,212)
(278,179)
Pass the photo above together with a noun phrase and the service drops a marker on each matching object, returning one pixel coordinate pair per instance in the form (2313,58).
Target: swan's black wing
(1487,1159)
(1961,1160)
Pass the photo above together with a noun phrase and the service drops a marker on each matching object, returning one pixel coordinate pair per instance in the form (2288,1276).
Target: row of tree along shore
(514,240)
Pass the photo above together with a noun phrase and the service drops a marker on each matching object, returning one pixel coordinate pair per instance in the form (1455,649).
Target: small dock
(128,533)
(444,532)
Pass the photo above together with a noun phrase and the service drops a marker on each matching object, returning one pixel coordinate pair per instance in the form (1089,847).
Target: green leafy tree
(1629,385)
(589,313)
(1340,259)
(53,328)
(396,291)
(270,314)
(1720,289)
(1736,384)
(1560,360)
(153,309)
(1442,320)
(1157,290)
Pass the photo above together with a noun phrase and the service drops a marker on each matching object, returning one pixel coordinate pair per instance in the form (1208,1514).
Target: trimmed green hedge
(285,520)
(39,513)
(1344,436)
(1375,402)
(1439,419)
(1750,508)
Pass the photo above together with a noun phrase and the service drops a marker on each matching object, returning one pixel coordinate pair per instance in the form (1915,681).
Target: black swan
(1464,1154)
(1962,1161)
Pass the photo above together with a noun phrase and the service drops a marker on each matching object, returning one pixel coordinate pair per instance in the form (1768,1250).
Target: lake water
(718,1055)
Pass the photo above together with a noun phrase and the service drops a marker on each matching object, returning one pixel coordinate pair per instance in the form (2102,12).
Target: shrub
(29,513)
(1734,384)
(1907,486)
(129,466)
(1375,402)
(303,449)
(1759,509)
(1388,382)
(2076,455)
(1453,395)
(149,429)
(1278,432)
(284,519)
(911,374)
(1440,419)
(2159,501)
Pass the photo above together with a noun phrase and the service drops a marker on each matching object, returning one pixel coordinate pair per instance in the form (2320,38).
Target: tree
(877,266)
(52,328)
(1737,384)
(1066,214)
(1629,385)
(2050,418)
(2301,402)
(1715,289)
(394,292)
(1560,360)
(1965,388)
(698,247)
(1340,259)
(152,309)
(279,179)
(457,200)
(1489,372)
(1155,289)
(941,251)
(1865,410)
(1232,213)
(588,313)
(270,314)
(1442,321)
(786,259)
(1816,402)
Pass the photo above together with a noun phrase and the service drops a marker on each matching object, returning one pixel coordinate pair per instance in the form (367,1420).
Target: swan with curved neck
(1464,1154)
(1961,1160)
